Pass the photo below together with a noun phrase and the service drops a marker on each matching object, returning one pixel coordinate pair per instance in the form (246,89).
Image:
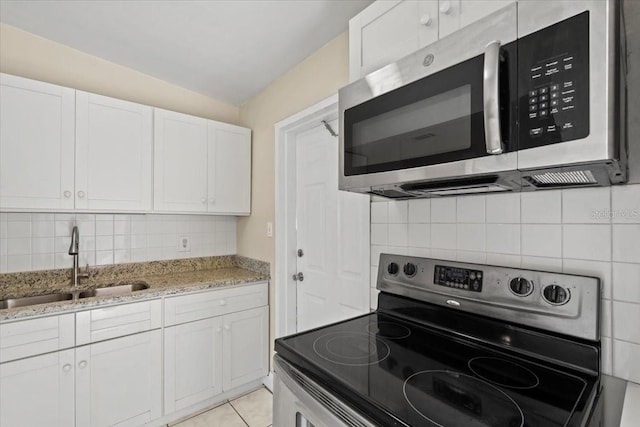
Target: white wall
(581,231)
(30,241)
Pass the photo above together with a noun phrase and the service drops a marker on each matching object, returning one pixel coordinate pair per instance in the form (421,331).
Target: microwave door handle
(491,101)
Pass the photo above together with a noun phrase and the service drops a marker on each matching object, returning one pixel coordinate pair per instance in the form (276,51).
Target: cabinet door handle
(66,368)
(81,194)
(445,8)
(227,327)
(83,364)
(67,194)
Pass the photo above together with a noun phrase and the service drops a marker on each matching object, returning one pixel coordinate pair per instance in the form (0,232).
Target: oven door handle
(491,98)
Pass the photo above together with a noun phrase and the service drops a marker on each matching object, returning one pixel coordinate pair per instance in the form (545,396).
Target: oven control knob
(521,286)
(393,268)
(556,295)
(410,269)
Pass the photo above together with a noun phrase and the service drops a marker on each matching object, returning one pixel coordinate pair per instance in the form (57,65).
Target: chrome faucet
(73,250)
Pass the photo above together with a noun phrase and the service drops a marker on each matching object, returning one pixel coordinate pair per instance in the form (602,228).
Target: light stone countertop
(174,279)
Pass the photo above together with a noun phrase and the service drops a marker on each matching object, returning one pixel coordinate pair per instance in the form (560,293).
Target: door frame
(286,132)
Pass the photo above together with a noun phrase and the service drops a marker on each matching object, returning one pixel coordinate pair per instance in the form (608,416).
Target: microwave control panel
(553,83)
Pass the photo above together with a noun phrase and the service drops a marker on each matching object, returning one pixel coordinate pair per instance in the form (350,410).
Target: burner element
(388,330)
(503,373)
(351,349)
(447,398)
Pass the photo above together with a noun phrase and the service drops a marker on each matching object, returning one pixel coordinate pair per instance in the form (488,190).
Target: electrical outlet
(269,229)
(184,244)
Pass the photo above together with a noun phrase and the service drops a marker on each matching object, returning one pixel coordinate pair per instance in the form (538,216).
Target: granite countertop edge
(160,286)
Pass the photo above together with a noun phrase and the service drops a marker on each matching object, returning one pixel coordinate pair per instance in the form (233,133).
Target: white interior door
(332,233)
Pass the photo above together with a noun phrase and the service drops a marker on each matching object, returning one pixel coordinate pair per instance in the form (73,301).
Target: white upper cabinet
(36,144)
(113,154)
(388,30)
(229,176)
(180,162)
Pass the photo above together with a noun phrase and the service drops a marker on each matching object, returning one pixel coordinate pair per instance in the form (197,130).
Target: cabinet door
(388,30)
(36,144)
(180,162)
(229,181)
(38,391)
(113,154)
(245,346)
(473,10)
(449,17)
(119,382)
(192,363)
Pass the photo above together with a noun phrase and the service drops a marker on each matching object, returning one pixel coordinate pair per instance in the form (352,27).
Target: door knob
(300,253)
(298,277)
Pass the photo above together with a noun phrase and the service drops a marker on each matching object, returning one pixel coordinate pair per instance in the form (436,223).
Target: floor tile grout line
(241,417)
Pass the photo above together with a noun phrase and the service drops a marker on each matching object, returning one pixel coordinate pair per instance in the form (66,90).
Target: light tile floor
(251,410)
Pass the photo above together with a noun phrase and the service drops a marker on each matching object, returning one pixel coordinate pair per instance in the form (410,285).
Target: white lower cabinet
(119,382)
(38,391)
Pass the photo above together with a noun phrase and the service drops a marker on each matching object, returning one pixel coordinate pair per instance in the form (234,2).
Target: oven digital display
(459,278)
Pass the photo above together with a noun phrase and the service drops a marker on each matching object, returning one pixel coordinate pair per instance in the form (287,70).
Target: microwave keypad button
(555,88)
(555,95)
(544,90)
(533,107)
(544,105)
(544,98)
(533,93)
(544,113)
(554,102)
(533,100)
(535,131)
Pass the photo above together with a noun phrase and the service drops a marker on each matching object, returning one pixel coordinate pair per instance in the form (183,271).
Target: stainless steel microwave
(530,97)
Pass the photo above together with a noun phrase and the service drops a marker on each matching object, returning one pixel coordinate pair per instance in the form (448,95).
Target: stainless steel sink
(114,289)
(40,299)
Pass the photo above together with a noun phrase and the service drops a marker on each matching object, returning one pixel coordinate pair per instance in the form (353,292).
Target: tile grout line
(241,417)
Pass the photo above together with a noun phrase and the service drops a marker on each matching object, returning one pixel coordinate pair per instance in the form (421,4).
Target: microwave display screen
(431,126)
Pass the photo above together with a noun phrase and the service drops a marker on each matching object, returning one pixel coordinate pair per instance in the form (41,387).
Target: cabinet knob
(81,194)
(218,329)
(445,8)
(66,367)
(203,200)
(212,200)
(223,302)
(83,364)
(227,327)
(426,20)
(67,194)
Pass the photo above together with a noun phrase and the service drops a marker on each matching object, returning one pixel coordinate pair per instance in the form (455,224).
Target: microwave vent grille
(563,178)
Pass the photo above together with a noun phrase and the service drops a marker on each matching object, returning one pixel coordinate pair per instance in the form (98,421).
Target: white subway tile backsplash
(503,208)
(122,227)
(398,212)
(19,229)
(443,210)
(626,282)
(471,237)
(542,240)
(379,234)
(625,204)
(43,229)
(626,243)
(42,245)
(104,243)
(3,226)
(375,252)
(21,246)
(121,242)
(582,241)
(419,211)
(541,207)
(379,212)
(625,360)
(626,318)
(446,254)
(121,256)
(503,238)
(443,236)
(419,252)
(43,261)
(104,227)
(471,209)
(104,257)
(586,205)
(11,217)
(504,259)
(418,235)
(471,256)
(36,217)
(373,277)
(63,227)
(542,263)
(398,234)
(138,226)
(139,255)
(17,263)
(601,270)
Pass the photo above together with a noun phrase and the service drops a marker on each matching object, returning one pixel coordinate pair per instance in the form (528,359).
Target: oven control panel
(553,83)
(460,278)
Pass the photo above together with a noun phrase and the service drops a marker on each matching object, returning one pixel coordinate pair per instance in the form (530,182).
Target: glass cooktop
(401,373)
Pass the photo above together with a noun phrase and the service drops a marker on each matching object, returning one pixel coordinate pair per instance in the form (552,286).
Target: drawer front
(111,322)
(188,308)
(31,337)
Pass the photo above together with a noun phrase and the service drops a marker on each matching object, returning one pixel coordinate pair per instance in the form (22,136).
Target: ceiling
(226,49)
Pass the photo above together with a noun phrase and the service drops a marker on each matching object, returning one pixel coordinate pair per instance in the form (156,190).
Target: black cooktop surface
(402,373)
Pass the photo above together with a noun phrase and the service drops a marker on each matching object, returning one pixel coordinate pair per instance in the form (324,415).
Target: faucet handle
(86,273)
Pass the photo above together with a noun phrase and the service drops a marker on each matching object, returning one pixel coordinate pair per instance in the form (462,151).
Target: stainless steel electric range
(451,344)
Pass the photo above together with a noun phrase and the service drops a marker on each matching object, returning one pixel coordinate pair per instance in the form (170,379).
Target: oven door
(446,111)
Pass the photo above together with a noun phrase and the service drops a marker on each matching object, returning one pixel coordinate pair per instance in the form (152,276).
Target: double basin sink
(103,291)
